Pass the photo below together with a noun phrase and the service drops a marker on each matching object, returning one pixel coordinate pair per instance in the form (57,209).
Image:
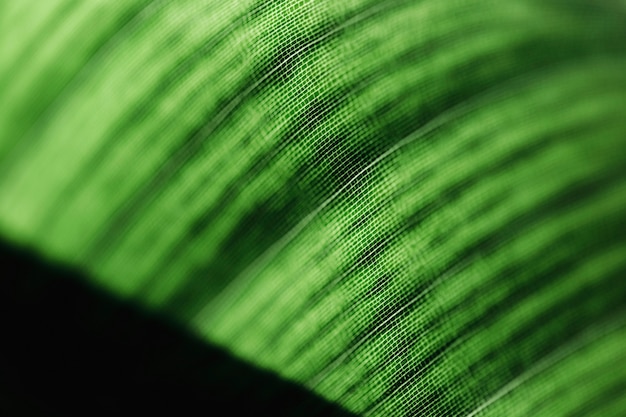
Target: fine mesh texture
(410,207)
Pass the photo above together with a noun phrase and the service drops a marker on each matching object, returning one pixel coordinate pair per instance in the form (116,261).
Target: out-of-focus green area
(411,207)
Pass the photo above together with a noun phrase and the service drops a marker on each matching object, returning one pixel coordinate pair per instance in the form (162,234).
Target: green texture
(410,207)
